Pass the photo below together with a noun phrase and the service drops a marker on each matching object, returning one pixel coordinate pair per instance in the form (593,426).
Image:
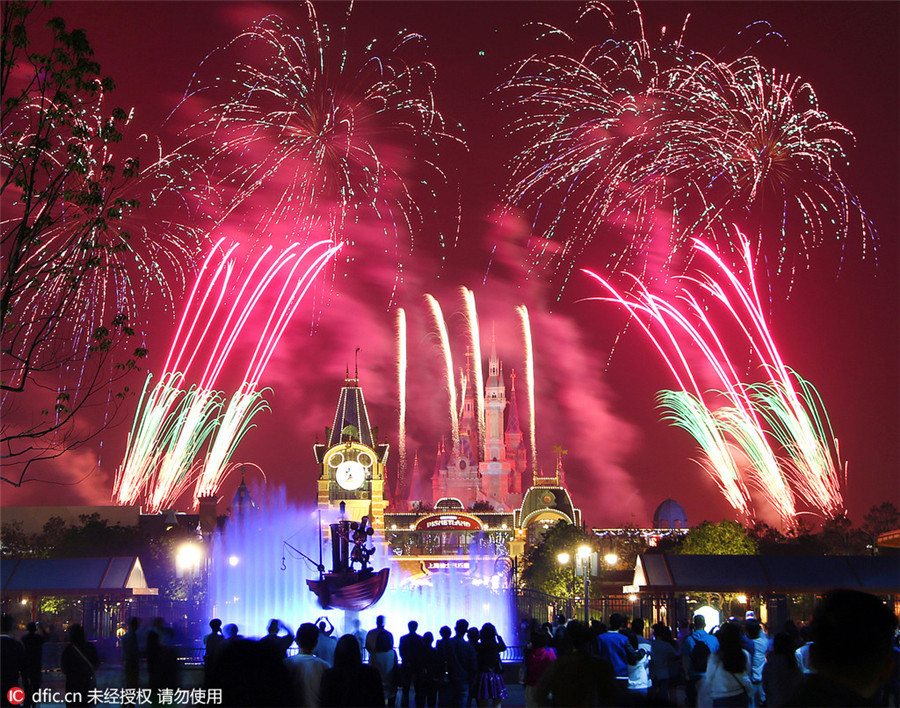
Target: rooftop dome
(670,515)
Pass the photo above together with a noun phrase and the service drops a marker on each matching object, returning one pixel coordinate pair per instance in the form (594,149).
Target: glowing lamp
(563,558)
(188,556)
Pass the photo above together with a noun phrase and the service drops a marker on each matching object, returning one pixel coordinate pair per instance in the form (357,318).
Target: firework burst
(324,140)
(646,145)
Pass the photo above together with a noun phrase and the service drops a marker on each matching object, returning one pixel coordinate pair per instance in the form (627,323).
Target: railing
(513,655)
(193,656)
(541,606)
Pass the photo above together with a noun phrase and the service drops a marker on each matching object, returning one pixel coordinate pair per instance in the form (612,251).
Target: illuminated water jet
(254,578)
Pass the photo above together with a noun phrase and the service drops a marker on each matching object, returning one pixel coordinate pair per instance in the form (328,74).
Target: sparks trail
(529,374)
(172,424)
(475,340)
(444,339)
(401,393)
(456,398)
(779,424)
(647,144)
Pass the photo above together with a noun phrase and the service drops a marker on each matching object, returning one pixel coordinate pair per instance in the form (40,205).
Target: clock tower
(351,462)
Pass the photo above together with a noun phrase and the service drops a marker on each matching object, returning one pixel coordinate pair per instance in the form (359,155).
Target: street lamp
(610,559)
(584,554)
(188,559)
(563,559)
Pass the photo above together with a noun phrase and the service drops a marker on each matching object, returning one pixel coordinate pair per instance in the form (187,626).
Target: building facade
(352,461)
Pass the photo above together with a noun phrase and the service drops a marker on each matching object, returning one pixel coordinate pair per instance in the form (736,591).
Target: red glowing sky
(840,326)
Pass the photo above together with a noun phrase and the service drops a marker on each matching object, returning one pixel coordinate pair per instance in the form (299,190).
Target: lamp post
(188,559)
(563,559)
(610,559)
(584,555)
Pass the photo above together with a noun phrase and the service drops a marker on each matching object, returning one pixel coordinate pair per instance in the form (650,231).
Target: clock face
(350,474)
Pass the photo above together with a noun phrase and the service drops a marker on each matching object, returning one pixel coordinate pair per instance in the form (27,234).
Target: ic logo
(16,696)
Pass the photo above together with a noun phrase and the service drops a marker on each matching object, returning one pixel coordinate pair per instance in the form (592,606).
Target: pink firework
(632,131)
(779,423)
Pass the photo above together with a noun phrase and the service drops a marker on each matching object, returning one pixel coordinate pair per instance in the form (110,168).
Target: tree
(878,520)
(541,568)
(840,538)
(60,540)
(628,543)
(723,538)
(65,251)
(769,539)
(482,506)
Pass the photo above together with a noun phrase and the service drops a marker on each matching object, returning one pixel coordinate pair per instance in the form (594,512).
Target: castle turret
(516,450)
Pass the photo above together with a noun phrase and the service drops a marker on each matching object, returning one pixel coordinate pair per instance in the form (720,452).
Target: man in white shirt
(305,669)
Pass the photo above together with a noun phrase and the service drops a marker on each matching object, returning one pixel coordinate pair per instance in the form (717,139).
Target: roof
(351,419)
(889,539)
(542,501)
(800,574)
(351,422)
(74,576)
(670,515)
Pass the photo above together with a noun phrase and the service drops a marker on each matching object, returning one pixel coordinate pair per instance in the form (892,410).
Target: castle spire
(494,362)
(512,421)
(560,472)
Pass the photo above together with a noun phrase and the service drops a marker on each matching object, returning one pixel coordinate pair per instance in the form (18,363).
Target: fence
(544,607)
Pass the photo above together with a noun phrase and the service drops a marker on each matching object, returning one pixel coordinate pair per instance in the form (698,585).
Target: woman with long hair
(79,662)
(491,689)
(728,671)
(350,682)
(665,663)
(538,658)
(781,675)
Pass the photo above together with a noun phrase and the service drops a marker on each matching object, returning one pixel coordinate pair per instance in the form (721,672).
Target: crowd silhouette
(847,655)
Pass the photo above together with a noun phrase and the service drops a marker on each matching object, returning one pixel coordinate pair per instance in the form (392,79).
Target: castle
(490,459)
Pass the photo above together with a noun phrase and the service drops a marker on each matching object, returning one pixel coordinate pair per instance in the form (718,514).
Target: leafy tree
(15,543)
(65,249)
(542,570)
(723,538)
(628,543)
(840,538)
(96,533)
(803,540)
(58,539)
(878,520)
(769,539)
(482,506)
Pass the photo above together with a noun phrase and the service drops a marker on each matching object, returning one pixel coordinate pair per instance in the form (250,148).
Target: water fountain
(255,577)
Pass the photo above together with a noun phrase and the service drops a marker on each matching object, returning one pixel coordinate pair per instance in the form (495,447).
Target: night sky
(838,327)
